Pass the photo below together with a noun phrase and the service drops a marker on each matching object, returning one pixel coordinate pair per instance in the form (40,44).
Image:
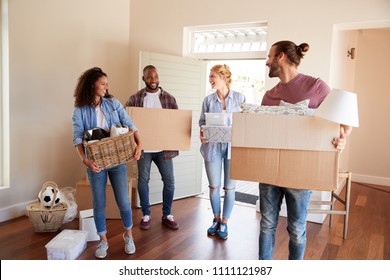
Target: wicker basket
(111,151)
(47,219)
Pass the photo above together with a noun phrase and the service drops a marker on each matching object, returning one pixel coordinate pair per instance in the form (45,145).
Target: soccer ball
(47,195)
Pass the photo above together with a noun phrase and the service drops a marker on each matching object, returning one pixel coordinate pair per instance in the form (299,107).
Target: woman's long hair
(84,92)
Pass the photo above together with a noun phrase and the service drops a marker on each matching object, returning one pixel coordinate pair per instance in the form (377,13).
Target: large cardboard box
(163,129)
(285,150)
(84,197)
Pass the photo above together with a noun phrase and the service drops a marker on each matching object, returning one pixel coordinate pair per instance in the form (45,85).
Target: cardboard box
(172,128)
(67,245)
(221,134)
(286,151)
(132,169)
(84,197)
(87,223)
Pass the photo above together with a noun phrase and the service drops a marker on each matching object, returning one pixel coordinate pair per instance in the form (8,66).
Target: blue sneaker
(223,231)
(214,228)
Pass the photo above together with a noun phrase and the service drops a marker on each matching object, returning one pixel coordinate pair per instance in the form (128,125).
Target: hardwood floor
(368,234)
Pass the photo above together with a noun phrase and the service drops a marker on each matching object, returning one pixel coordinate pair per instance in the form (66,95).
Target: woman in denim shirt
(95,107)
(217,154)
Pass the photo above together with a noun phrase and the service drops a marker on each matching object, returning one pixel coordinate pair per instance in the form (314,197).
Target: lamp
(339,106)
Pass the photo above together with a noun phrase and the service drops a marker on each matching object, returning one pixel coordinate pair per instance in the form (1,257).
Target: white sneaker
(101,250)
(129,244)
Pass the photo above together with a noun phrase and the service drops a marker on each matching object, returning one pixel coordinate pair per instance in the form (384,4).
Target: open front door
(185,79)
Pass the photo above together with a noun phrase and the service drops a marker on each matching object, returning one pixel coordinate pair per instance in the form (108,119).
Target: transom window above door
(238,41)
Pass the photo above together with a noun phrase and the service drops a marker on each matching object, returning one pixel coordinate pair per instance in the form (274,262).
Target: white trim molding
(14,211)
(226,41)
(368,179)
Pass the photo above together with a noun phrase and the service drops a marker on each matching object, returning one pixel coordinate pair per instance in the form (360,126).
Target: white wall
(51,44)
(342,66)
(157,26)
(343,73)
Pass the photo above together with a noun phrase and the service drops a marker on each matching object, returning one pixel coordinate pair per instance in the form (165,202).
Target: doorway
(361,75)
(248,77)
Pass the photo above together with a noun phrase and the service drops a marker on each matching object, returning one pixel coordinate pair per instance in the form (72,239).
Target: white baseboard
(14,211)
(368,179)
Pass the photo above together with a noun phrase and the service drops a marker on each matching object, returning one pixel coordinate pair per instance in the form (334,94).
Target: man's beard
(274,71)
(151,88)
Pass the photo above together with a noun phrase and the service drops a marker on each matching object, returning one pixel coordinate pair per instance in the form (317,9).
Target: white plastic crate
(67,245)
(218,119)
(220,134)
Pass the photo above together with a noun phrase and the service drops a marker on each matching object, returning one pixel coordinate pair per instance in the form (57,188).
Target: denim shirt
(84,118)
(212,104)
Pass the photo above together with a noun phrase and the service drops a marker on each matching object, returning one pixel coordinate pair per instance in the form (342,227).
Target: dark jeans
(165,168)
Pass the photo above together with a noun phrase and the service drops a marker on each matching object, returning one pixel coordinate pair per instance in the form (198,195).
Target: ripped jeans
(214,174)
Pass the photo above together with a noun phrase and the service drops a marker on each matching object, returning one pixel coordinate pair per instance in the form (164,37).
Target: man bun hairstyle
(293,52)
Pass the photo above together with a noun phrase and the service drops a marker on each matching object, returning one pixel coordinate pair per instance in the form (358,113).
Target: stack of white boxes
(218,127)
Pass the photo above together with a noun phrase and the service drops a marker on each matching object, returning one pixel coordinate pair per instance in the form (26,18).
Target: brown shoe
(169,222)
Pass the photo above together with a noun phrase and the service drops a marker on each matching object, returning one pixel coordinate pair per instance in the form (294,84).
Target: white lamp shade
(339,106)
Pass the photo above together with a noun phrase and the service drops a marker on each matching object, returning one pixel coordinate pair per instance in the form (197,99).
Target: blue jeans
(214,174)
(297,202)
(98,181)
(165,167)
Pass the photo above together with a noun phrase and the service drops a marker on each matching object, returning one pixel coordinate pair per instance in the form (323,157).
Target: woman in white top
(95,107)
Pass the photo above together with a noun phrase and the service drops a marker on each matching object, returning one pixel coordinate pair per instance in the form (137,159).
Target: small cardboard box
(87,223)
(67,245)
(287,151)
(221,134)
(163,129)
(84,197)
